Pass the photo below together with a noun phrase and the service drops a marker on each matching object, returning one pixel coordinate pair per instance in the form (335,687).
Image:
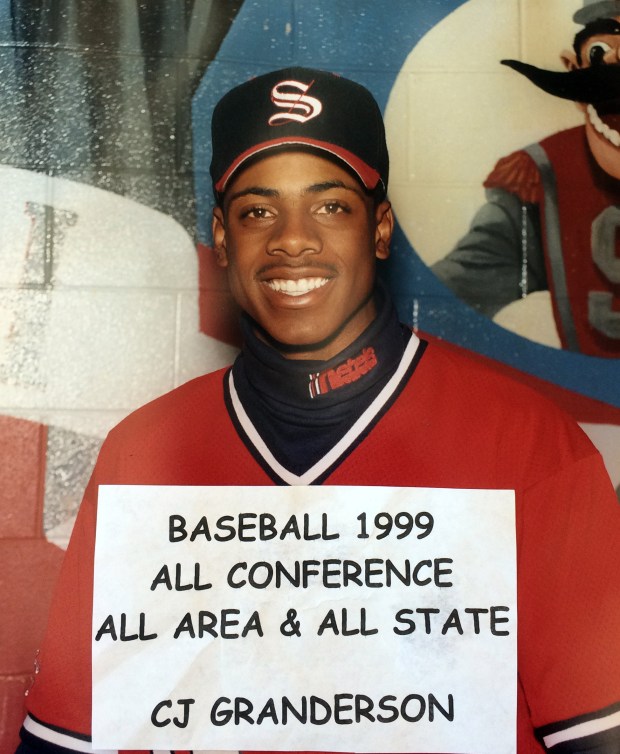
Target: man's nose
(294,234)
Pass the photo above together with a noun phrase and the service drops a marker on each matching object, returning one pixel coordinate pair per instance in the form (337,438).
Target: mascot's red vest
(580,217)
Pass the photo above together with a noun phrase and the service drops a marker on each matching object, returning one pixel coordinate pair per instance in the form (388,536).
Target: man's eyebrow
(314,188)
(317,188)
(254,191)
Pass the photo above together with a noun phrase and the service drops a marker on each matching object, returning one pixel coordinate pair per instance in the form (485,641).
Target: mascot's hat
(299,108)
(594,9)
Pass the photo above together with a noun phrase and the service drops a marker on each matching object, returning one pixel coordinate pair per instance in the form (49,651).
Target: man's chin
(319,337)
(299,345)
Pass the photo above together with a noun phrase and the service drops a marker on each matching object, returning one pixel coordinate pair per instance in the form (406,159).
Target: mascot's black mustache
(597,84)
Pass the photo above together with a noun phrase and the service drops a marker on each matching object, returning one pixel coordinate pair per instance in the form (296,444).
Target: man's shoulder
(471,377)
(191,401)
(497,412)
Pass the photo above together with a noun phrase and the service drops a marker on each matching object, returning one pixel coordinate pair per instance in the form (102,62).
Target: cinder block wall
(99,269)
(99,249)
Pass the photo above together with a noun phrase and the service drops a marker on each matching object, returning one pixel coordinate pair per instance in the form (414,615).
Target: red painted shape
(29,566)
(22,476)
(12,710)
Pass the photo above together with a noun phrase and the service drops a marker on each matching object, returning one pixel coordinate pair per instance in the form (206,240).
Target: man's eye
(331,208)
(256,213)
(597,52)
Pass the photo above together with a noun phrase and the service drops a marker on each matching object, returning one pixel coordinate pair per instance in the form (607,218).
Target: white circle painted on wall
(460,111)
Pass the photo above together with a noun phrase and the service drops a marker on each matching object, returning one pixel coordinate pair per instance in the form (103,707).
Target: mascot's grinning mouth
(597,86)
(605,130)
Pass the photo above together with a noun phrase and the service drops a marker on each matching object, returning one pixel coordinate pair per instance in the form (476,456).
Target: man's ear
(218,230)
(569,60)
(384,219)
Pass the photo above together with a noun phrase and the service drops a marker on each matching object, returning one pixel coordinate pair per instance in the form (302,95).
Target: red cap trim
(367,175)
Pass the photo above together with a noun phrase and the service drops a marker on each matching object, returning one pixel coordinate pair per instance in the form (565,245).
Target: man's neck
(302,408)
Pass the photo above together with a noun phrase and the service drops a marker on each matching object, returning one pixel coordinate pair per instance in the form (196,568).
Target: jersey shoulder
(188,403)
(485,398)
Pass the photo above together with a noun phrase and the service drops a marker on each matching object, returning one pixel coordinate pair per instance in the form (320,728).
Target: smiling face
(300,238)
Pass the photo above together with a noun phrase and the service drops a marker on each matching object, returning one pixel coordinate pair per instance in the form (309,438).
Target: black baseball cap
(299,107)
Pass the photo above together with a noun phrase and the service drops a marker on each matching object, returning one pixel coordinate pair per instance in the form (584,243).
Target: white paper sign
(363,619)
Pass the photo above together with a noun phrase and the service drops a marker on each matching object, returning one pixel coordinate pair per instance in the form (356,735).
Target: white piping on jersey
(75,744)
(345,442)
(589,728)
(62,739)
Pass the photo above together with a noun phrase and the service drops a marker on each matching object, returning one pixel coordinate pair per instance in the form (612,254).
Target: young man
(330,388)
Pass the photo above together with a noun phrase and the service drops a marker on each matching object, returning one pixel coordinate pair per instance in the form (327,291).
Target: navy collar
(311,385)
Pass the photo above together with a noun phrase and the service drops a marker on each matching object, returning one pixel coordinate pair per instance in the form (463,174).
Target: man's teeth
(296,287)
(610,134)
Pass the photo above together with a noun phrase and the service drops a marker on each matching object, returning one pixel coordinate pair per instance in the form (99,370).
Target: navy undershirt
(300,429)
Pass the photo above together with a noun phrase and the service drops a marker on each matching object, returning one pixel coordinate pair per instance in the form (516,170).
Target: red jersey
(443,420)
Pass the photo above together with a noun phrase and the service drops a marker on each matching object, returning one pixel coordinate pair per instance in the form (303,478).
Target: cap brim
(369,177)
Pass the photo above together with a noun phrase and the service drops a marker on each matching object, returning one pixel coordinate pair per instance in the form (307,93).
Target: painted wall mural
(109,296)
(98,270)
